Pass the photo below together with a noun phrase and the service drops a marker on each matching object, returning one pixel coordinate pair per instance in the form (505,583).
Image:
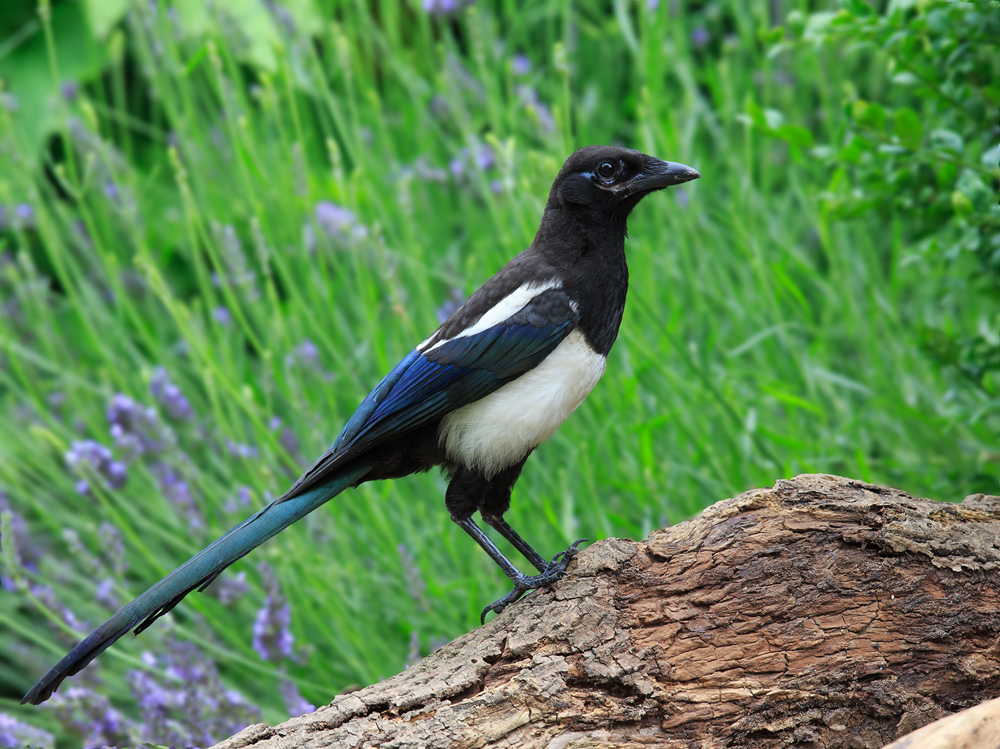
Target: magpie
(474,399)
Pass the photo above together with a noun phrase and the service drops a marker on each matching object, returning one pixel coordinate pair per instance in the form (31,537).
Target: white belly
(500,429)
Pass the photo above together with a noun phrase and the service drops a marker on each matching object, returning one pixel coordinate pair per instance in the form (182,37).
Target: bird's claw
(569,553)
(553,571)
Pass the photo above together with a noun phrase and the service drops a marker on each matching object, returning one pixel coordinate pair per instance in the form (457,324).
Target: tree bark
(822,612)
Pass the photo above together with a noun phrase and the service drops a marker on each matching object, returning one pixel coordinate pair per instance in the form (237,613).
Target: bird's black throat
(587,250)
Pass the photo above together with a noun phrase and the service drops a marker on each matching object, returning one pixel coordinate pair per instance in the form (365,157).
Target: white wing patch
(500,429)
(509,305)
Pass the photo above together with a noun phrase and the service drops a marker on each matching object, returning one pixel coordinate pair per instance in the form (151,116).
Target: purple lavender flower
(272,638)
(485,157)
(241,450)
(88,451)
(294,702)
(286,438)
(700,37)
(14,535)
(69,90)
(222,315)
(105,594)
(90,714)
(89,459)
(445,7)
(520,64)
(240,502)
(306,355)
(117,474)
(47,598)
(15,733)
(337,222)
(183,701)
(176,489)
(170,396)
(244,495)
(479,159)
(135,429)
(230,588)
(154,700)
(332,217)
(289,441)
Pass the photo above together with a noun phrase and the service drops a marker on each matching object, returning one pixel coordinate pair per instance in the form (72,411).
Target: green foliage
(34,79)
(920,141)
(228,183)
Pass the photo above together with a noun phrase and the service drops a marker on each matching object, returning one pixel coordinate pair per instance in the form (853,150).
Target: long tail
(197,572)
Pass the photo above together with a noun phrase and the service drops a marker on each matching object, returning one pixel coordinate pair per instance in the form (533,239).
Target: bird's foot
(553,571)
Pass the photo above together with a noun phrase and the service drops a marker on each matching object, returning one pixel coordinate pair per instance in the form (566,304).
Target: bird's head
(606,182)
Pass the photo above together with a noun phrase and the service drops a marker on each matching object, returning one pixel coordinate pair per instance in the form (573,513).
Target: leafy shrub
(920,141)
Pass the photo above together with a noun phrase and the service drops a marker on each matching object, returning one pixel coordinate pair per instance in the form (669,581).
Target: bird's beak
(659,174)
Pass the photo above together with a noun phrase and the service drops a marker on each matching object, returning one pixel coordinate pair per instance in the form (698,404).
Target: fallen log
(973,728)
(821,612)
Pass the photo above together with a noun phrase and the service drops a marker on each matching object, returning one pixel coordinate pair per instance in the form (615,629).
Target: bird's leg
(503,528)
(469,490)
(549,573)
(469,526)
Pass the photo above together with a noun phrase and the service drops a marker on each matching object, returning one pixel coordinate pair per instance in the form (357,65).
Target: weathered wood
(822,612)
(974,728)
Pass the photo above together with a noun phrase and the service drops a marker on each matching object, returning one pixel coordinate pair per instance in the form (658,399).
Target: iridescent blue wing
(450,374)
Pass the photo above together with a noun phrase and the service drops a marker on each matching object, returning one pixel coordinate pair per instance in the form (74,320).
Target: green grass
(763,337)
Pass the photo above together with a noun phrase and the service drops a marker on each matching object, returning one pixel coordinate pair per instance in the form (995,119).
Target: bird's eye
(606,170)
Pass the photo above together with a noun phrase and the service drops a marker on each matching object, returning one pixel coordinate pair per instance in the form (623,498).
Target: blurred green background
(222,223)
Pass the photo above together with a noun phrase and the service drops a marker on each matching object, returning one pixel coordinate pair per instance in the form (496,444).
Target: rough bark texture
(822,612)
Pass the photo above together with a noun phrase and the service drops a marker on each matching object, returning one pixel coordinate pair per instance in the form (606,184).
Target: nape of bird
(474,399)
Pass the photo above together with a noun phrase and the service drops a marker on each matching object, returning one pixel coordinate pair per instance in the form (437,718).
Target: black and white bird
(484,390)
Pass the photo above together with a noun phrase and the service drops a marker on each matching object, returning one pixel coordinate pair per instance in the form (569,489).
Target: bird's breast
(497,431)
